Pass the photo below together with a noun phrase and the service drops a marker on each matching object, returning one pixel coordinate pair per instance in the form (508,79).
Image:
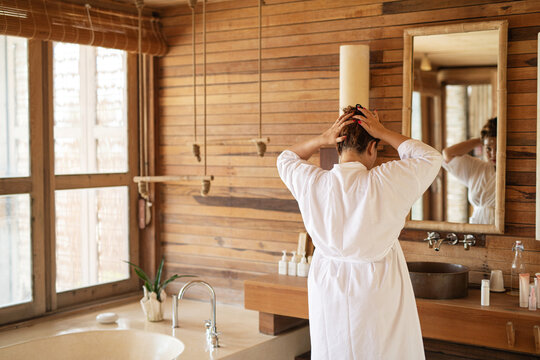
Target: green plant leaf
(174,277)
(142,275)
(157,282)
(144,278)
(155,286)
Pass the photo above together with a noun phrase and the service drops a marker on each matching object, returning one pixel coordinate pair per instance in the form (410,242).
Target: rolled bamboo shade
(67,22)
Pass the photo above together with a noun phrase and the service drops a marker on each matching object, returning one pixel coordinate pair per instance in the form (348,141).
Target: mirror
(454,82)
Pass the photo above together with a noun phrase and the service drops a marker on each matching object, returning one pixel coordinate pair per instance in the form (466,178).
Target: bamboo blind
(67,22)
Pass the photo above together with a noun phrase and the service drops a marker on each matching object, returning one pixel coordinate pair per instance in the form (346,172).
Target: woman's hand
(371,123)
(331,136)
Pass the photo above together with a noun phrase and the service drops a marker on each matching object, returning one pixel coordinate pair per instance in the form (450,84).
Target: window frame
(42,184)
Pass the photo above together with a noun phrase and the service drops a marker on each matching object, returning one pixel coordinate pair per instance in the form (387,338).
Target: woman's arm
(408,178)
(460,149)
(297,173)
(330,137)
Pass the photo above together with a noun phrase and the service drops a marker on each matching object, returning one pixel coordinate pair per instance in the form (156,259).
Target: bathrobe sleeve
(297,174)
(409,178)
(465,168)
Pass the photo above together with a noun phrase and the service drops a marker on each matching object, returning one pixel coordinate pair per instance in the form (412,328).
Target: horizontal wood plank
(248,218)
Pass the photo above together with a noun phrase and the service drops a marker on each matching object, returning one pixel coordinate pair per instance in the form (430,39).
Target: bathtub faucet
(211,329)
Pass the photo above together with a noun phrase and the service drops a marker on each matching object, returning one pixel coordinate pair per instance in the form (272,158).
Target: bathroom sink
(106,344)
(437,280)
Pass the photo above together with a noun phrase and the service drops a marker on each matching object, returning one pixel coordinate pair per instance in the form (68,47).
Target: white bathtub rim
(78,331)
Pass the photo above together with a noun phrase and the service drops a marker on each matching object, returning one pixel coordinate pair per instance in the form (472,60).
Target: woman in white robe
(361,301)
(478,175)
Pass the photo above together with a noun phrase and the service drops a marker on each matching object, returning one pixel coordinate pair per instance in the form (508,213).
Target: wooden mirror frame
(537,237)
(408,38)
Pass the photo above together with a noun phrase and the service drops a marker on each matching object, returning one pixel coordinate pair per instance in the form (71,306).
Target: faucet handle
(211,328)
(452,238)
(468,241)
(211,334)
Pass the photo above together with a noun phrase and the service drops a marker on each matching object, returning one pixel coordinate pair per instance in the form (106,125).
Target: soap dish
(107,318)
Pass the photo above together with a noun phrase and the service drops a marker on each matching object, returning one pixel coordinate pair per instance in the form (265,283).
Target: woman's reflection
(476,174)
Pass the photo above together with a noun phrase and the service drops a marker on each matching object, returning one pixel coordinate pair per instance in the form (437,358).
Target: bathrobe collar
(351,165)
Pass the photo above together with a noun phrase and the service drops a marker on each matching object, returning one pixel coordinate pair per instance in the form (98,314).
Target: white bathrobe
(361,301)
(479,177)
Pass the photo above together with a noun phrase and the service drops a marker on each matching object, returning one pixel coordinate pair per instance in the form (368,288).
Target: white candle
(353,76)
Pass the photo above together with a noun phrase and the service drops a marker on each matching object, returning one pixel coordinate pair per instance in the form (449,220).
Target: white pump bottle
(292,265)
(282,264)
(303,267)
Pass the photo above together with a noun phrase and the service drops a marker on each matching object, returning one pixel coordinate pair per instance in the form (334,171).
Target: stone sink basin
(97,345)
(437,280)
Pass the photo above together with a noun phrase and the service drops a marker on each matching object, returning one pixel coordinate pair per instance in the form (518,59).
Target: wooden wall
(249,217)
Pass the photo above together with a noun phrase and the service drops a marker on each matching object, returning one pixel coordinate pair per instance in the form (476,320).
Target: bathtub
(98,344)
(79,336)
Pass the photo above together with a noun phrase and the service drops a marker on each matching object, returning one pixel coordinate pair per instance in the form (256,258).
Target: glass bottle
(518,267)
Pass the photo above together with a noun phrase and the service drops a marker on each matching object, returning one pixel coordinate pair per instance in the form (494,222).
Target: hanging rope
(205,183)
(260,75)
(196,147)
(204,80)
(63,26)
(193,60)
(143,186)
(88,7)
(33,19)
(145,112)
(49,21)
(116,37)
(20,23)
(260,142)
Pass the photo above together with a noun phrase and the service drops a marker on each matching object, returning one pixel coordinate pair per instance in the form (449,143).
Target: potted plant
(154,291)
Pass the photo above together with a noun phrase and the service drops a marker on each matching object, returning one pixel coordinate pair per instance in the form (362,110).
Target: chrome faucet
(210,325)
(432,238)
(435,241)
(451,239)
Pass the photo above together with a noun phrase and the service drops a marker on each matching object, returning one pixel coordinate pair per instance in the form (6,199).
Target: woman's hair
(357,137)
(489,129)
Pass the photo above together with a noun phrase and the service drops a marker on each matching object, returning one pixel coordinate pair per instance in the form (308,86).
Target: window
(64,233)
(90,136)
(15,244)
(14,148)
(90,117)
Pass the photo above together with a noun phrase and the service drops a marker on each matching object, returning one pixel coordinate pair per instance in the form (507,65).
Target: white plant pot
(152,307)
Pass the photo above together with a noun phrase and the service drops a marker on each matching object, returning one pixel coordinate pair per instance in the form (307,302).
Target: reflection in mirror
(452,94)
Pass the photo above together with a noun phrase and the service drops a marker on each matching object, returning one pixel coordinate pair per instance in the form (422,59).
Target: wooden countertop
(277,294)
(458,320)
(297,286)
